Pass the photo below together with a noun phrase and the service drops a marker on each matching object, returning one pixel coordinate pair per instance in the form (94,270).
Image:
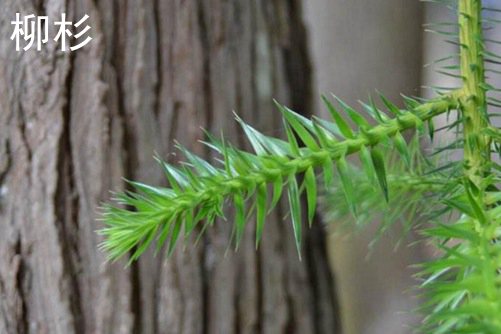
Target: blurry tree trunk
(71,125)
(359,46)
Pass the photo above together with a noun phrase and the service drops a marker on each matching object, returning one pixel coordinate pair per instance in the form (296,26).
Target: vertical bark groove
(67,210)
(22,325)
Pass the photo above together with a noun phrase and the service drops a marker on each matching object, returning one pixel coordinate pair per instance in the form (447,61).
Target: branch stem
(190,199)
(473,100)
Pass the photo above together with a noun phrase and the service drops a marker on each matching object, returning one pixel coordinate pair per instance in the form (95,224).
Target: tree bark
(73,124)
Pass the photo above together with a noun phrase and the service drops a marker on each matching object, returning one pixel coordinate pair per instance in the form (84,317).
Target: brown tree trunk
(73,124)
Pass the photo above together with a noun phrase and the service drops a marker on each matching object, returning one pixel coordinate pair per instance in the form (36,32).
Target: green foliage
(454,202)
(409,181)
(198,190)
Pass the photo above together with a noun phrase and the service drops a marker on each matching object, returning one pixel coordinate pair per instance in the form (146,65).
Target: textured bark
(71,125)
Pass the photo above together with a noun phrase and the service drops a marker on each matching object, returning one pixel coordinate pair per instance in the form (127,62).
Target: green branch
(473,100)
(464,284)
(198,191)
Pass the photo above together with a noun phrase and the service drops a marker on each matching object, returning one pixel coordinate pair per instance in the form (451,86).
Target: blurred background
(73,124)
(359,47)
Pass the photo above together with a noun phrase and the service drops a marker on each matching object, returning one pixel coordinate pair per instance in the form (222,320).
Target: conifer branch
(198,190)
